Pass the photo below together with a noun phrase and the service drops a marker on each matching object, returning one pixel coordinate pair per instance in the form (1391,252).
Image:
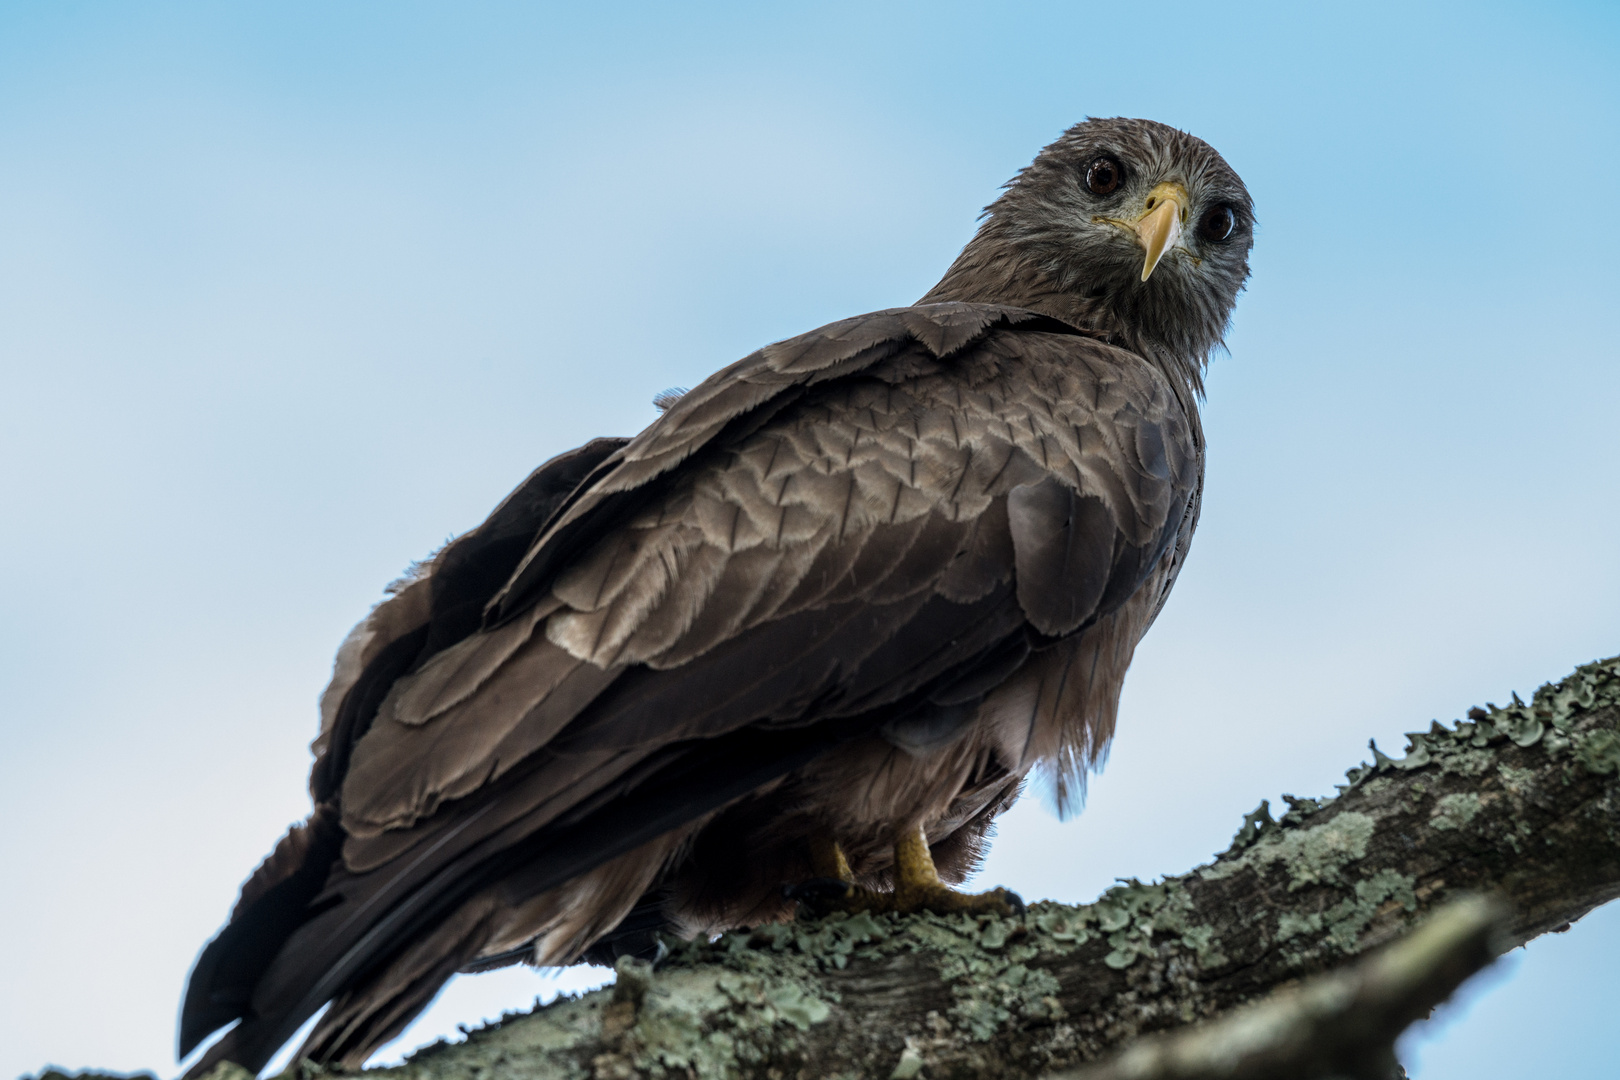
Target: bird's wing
(436,605)
(377,651)
(851,504)
(871,522)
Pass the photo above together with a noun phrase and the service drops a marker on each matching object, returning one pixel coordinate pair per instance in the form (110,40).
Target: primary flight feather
(811,628)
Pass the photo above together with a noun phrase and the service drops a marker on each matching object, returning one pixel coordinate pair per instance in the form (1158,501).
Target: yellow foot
(917,886)
(944,900)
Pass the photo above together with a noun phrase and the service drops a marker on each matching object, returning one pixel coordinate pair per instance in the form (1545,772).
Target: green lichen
(1299,809)
(1515,780)
(1253,823)
(708,1013)
(705,1019)
(1454,811)
(1546,720)
(1291,924)
(1343,924)
(1599,752)
(984,960)
(1134,920)
(1065,925)
(1311,855)
(827,943)
(910,1064)
(539,1041)
(1345,921)
(988,995)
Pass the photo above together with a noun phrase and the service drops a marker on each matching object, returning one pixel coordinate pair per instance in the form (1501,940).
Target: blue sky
(289,294)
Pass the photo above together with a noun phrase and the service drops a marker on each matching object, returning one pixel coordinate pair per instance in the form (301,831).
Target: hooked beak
(1163,216)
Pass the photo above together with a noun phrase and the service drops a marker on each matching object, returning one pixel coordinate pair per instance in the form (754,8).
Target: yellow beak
(1163,216)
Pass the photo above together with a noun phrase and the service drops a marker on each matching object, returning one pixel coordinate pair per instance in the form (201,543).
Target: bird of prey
(815,623)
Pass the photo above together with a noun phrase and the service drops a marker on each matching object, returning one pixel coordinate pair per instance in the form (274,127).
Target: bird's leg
(827,859)
(833,888)
(917,886)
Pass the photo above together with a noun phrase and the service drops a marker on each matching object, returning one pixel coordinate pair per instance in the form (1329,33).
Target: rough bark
(1340,1024)
(1521,803)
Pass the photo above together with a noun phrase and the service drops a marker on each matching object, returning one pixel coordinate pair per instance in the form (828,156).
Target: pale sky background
(291,293)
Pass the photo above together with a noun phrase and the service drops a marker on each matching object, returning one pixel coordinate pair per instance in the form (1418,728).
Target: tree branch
(1521,802)
(1339,1024)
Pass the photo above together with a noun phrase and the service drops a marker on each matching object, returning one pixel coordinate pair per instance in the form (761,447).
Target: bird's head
(1125,226)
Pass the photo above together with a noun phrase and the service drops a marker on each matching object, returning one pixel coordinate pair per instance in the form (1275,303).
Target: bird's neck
(990,271)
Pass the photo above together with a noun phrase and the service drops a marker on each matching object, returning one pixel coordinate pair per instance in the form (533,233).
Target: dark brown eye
(1104,176)
(1217,224)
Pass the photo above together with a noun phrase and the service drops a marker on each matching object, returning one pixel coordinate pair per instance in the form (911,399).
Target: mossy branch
(1521,803)
(1340,1024)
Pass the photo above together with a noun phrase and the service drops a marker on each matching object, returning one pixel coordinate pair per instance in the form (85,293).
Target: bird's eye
(1104,176)
(1217,224)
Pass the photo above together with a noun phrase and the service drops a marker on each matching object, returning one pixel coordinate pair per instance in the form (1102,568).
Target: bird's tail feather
(367,1015)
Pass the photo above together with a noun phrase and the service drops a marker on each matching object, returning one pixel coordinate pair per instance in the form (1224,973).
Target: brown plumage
(861,581)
